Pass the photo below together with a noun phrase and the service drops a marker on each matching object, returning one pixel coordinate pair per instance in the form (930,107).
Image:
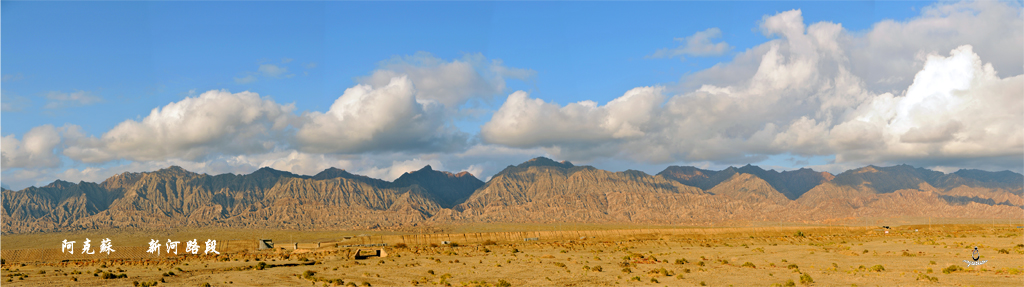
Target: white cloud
(56,100)
(12,77)
(699,44)
(385,118)
(956,108)
(271,70)
(449,83)
(799,94)
(406,105)
(525,122)
(212,123)
(888,55)
(35,149)
(12,103)
(245,80)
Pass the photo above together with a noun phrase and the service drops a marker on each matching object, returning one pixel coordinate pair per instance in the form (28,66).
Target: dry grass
(603,257)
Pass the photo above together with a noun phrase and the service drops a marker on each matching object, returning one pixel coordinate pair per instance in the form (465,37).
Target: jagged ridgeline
(540,190)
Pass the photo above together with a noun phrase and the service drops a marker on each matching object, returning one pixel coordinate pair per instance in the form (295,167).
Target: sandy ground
(820,257)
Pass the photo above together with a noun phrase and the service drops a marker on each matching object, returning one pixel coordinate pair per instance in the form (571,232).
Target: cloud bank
(803,97)
(940,90)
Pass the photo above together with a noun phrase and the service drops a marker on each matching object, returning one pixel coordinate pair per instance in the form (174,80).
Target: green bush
(748,264)
(681,261)
(951,269)
(877,268)
(806,279)
(503,283)
(924,277)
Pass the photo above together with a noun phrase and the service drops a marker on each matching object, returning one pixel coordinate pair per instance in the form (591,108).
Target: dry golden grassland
(794,255)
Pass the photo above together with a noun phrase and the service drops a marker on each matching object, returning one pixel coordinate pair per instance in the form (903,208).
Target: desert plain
(581,255)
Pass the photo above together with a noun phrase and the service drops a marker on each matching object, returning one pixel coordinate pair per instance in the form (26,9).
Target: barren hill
(537,191)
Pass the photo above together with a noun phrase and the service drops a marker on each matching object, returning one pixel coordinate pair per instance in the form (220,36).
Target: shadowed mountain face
(792,184)
(537,191)
(446,188)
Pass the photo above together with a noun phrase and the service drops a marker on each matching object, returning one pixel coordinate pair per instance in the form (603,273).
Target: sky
(93,89)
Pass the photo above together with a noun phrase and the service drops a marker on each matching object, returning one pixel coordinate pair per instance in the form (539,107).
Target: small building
(265,244)
(364,254)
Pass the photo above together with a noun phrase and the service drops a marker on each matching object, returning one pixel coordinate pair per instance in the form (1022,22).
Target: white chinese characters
(155,247)
(69,246)
(192,247)
(172,245)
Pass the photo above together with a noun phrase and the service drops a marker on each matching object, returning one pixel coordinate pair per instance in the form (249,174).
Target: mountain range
(540,190)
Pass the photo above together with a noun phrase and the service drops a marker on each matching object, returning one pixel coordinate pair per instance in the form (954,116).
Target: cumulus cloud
(385,118)
(525,122)
(957,107)
(449,83)
(406,105)
(699,44)
(35,149)
(214,122)
(799,94)
(57,100)
(889,55)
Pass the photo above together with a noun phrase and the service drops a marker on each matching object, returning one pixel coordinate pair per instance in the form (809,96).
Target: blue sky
(95,65)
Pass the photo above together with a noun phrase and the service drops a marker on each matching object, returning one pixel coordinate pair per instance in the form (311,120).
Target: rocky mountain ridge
(537,191)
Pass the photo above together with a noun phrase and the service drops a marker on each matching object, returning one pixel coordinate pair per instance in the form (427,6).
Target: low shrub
(951,269)
(806,279)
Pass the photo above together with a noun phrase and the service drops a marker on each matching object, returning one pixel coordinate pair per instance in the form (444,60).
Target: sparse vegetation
(924,277)
(806,279)
(951,268)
